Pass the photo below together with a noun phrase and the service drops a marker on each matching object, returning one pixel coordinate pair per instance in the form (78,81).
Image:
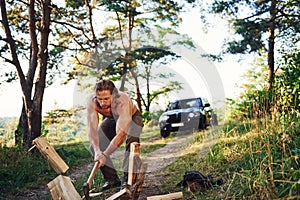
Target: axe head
(86,191)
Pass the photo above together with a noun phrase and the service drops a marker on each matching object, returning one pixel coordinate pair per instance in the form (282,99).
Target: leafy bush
(151,118)
(260,143)
(287,85)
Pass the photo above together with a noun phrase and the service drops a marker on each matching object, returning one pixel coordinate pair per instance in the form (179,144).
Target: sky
(230,72)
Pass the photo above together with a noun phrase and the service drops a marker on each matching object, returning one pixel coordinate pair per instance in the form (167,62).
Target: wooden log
(62,188)
(141,177)
(176,195)
(136,174)
(118,194)
(56,162)
(133,165)
(139,183)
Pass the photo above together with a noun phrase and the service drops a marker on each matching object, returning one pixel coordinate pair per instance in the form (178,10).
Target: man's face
(104,98)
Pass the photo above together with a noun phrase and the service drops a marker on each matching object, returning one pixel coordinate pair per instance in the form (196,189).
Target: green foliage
(74,154)
(21,171)
(7,131)
(252,20)
(151,117)
(265,159)
(260,139)
(250,105)
(115,56)
(74,4)
(287,85)
(251,33)
(150,54)
(61,125)
(258,26)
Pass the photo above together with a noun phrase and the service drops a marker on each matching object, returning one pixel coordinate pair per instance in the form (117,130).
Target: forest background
(37,36)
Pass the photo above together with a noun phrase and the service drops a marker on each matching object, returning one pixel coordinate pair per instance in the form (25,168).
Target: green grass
(21,171)
(257,160)
(17,172)
(152,140)
(150,133)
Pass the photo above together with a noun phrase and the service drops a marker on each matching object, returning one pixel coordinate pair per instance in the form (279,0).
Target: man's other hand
(101,158)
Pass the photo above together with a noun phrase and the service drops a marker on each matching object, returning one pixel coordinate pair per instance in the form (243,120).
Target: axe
(86,185)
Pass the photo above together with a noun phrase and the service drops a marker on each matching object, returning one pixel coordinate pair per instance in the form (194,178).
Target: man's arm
(116,141)
(124,110)
(93,121)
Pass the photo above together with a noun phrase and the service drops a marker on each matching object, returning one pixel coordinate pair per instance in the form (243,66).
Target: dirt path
(157,161)
(161,158)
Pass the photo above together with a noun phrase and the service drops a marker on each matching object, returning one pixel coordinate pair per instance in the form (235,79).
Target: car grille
(179,117)
(175,118)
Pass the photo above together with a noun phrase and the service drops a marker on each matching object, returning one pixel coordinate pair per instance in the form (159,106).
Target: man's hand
(101,158)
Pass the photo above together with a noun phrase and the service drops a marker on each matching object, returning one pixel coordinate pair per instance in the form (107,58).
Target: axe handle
(93,173)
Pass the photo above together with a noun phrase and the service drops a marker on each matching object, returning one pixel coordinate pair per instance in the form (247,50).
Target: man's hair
(106,85)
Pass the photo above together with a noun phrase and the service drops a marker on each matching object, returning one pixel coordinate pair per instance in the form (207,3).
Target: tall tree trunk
(148,69)
(271,44)
(137,89)
(23,126)
(123,78)
(31,117)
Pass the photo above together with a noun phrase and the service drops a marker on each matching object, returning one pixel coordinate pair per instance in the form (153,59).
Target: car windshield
(189,103)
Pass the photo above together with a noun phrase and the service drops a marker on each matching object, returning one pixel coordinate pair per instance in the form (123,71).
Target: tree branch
(91,23)
(7,60)
(34,44)
(120,30)
(12,46)
(67,25)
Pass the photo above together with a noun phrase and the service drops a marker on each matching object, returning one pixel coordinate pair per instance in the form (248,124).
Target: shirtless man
(121,120)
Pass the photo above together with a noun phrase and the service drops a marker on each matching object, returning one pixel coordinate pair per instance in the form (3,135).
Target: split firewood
(134,164)
(62,188)
(57,163)
(176,195)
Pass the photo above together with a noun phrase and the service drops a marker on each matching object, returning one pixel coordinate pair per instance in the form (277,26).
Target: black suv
(185,114)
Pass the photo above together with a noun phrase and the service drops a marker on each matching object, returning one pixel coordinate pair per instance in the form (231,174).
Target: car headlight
(163,118)
(191,115)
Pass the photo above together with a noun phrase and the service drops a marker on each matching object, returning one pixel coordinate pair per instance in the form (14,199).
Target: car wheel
(164,133)
(202,123)
(214,120)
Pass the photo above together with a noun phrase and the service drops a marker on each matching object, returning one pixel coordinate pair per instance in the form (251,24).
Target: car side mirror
(206,105)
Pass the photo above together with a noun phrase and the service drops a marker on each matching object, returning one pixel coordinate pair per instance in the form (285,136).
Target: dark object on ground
(187,114)
(194,180)
(109,185)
